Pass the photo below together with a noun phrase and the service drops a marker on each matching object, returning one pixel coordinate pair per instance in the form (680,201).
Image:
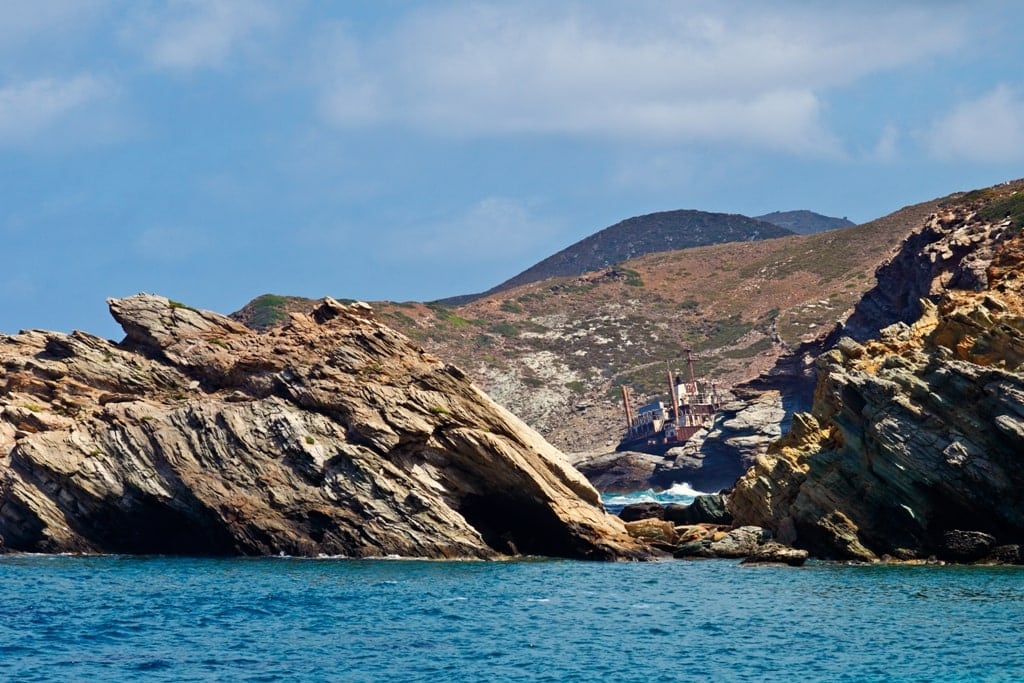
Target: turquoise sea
(180,619)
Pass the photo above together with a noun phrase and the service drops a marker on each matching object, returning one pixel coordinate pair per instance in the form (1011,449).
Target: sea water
(681,493)
(281,619)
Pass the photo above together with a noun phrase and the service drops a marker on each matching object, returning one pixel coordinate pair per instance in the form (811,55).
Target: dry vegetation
(556,351)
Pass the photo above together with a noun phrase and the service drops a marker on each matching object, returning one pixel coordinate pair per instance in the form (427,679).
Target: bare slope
(554,352)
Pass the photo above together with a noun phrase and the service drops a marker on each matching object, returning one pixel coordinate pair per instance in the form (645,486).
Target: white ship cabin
(697,392)
(649,419)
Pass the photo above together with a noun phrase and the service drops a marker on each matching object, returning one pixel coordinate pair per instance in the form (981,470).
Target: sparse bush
(505,329)
(268,310)
(1011,207)
(510,306)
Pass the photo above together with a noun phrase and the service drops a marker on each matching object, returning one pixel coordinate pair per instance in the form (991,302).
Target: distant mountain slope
(555,351)
(804,222)
(636,237)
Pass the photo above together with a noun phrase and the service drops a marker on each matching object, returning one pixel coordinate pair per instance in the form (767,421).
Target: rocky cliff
(915,442)
(330,435)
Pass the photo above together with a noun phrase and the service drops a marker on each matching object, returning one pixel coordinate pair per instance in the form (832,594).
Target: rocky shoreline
(706,530)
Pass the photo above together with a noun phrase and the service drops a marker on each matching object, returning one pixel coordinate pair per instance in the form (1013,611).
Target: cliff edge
(914,446)
(330,435)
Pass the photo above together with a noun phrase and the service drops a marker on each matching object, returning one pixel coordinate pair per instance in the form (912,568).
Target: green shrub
(268,310)
(1011,207)
(510,306)
(504,329)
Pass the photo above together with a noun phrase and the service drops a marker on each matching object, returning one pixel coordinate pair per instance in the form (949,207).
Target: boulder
(776,553)
(1006,554)
(965,546)
(694,549)
(740,542)
(331,435)
(637,511)
(706,509)
(655,531)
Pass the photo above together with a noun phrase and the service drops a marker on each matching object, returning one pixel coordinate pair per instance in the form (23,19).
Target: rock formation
(331,435)
(917,437)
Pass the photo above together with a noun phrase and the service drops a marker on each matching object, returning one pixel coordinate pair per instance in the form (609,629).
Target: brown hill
(555,352)
(635,237)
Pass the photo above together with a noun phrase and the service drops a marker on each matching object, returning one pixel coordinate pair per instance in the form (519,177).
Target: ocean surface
(281,619)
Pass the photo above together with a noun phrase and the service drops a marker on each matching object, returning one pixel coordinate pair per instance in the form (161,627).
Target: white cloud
(40,21)
(989,129)
(30,108)
(887,147)
(494,230)
(191,34)
(659,71)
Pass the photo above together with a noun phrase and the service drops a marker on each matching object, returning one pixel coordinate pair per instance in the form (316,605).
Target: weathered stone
(655,531)
(965,546)
(694,549)
(676,513)
(619,472)
(776,553)
(740,542)
(708,509)
(1006,554)
(331,435)
(921,429)
(638,511)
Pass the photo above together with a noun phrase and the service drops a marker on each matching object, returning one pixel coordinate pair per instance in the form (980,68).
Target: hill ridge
(635,237)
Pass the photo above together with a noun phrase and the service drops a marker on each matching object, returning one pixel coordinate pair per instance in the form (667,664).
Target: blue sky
(214,151)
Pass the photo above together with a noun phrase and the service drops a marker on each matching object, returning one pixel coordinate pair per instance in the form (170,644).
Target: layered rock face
(915,438)
(331,435)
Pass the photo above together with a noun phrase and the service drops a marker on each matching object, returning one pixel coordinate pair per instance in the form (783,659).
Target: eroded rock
(917,433)
(331,435)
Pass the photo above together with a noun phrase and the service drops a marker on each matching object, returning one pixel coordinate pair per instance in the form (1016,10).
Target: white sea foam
(677,493)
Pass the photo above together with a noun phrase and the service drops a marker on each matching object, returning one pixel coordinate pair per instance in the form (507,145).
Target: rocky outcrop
(330,435)
(618,472)
(714,458)
(919,433)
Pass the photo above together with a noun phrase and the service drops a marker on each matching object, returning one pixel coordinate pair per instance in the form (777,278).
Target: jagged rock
(332,434)
(740,542)
(708,541)
(618,472)
(709,509)
(965,546)
(1006,554)
(920,431)
(694,549)
(776,553)
(713,459)
(655,531)
(637,511)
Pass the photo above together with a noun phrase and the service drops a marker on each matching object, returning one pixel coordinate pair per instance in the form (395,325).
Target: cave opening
(519,525)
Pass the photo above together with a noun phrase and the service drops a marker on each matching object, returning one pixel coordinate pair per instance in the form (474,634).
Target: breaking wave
(681,493)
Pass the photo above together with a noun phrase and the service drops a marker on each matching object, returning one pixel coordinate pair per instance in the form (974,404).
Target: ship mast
(673,393)
(689,363)
(625,404)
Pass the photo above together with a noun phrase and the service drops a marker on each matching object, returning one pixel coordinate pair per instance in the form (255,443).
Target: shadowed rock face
(916,435)
(331,435)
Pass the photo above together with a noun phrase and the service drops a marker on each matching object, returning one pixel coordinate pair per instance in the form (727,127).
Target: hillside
(635,237)
(804,222)
(555,351)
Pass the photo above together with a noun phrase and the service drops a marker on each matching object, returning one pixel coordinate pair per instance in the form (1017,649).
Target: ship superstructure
(656,427)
